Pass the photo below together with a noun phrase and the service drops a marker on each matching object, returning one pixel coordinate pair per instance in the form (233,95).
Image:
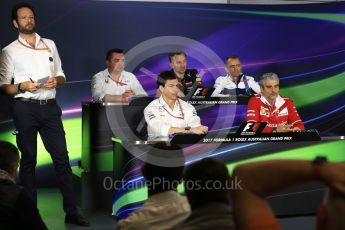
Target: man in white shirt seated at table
(235,82)
(168,114)
(114,84)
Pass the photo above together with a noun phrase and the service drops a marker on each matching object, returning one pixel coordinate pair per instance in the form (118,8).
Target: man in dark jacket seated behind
(17,210)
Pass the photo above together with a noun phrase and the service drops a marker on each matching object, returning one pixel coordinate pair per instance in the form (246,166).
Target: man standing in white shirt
(235,82)
(114,84)
(34,65)
(168,114)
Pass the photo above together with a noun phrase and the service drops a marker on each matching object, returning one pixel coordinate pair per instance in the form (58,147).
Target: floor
(50,206)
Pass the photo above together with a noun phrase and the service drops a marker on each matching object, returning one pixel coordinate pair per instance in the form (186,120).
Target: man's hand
(333,174)
(296,129)
(284,128)
(29,86)
(199,130)
(125,95)
(51,83)
(54,82)
(130,93)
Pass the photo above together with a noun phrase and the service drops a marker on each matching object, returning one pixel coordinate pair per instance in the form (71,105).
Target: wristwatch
(19,89)
(319,160)
(317,164)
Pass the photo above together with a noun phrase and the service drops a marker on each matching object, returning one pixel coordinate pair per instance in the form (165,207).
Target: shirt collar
(279,101)
(162,102)
(106,72)
(38,39)
(239,79)
(163,197)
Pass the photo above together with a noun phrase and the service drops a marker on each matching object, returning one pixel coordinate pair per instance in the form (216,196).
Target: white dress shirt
(20,62)
(102,84)
(160,117)
(226,82)
(161,211)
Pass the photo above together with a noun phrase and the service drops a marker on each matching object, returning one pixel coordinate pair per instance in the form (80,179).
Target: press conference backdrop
(303,44)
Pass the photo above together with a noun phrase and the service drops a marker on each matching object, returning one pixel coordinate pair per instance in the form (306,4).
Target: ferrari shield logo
(264,111)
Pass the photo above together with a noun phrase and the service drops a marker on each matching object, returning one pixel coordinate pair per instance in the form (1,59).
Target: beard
(273,97)
(28,29)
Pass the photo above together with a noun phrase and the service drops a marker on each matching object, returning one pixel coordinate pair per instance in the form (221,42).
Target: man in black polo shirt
(186,77)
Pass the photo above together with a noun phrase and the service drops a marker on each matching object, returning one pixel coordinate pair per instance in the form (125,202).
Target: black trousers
(31,118)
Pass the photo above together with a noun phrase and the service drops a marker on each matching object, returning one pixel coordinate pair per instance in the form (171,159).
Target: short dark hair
(201,173)
(176,52)
(169,172)
(9,155)
(164,76)
(233,56)
(16,7)
(111,51)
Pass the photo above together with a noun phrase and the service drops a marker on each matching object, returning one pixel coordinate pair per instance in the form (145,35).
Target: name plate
(308,135)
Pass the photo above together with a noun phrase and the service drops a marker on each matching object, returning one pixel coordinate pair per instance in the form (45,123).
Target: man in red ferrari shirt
(279,112)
